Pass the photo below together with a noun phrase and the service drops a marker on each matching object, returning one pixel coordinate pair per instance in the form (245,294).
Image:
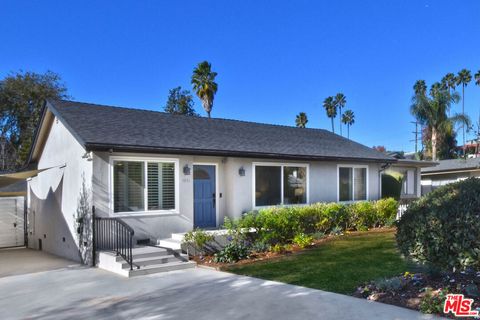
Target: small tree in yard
(83,224)
(180,102)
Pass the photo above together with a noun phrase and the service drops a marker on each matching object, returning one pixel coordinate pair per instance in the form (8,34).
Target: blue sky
(274,58)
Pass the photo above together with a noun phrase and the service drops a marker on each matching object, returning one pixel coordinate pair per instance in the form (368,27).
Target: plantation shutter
(161,186)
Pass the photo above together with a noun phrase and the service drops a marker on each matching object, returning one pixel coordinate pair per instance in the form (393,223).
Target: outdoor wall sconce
(241,172)
(186,170)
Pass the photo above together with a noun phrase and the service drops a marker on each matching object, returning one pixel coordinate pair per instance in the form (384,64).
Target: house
(449,171)
(160,174)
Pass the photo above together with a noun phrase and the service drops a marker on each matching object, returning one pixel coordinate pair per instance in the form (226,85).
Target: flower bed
(425,291)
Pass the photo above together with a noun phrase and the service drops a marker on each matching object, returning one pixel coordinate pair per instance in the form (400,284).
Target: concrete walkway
(17,261)
(87,293)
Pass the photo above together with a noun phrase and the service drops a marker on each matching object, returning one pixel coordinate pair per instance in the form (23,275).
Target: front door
(204,195)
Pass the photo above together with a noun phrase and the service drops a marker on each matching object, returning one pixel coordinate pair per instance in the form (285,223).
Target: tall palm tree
(435,88)
(203,82)
(432,112)
(449,82)
(463,78)
(420,87)
(331,110)
(348,118)
(301,120)
(340,101)
(477,78)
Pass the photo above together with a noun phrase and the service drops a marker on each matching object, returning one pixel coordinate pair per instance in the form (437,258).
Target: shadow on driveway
(18,261)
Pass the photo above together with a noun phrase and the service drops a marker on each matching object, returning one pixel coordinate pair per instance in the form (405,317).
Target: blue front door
(204,196)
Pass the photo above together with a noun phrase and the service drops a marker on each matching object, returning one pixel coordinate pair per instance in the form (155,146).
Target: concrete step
(156,268)
(154,260)
(170,243)
(146,252)
(178,236)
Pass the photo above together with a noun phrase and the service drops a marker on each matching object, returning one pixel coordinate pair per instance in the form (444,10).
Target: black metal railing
(113,234)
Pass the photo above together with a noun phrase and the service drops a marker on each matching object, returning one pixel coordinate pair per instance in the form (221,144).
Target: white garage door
(12,232)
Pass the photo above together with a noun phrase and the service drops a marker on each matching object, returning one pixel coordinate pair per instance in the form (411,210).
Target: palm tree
(340,101)
(477,78)
(420,87)
(348,118)
(435,88)
(203,82)
(463,78)
(301,120)
(449,82)
(432,112)
(331,110)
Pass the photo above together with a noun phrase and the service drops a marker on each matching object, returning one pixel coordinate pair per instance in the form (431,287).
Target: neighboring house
(449,171)
(409,175)
(163,174)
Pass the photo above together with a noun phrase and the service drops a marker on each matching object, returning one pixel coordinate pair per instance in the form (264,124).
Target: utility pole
(416,135)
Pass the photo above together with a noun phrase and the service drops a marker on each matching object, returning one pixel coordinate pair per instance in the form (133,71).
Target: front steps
(148,259)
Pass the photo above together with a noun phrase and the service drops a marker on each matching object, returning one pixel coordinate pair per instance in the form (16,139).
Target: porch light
(186,170)
(241,172)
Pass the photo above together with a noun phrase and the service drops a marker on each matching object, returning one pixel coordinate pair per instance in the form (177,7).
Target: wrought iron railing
(113,234)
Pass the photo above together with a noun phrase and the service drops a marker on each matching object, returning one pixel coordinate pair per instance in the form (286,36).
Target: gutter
(223,153)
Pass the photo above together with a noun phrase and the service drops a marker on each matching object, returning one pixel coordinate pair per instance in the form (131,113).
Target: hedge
(282,224)
(442,229)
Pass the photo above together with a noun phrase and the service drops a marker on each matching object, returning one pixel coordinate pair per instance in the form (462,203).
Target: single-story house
(163,174)
(449,171)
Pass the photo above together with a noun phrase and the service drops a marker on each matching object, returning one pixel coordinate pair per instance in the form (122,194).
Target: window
(280,184)
(352,183)
(140,186)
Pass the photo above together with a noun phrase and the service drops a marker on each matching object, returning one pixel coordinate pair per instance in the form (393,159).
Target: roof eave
(226,153)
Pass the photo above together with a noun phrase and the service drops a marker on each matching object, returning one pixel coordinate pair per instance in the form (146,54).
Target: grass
(339,265)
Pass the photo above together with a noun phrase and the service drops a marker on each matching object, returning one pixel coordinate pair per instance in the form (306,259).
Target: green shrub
(386,211)
(392,185)
(333,215)
(302,240)
(362,215)
(232,252)
(443,228)
(433,301)
(198,239)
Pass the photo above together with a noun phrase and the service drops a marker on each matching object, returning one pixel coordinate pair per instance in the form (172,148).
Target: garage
(12,222)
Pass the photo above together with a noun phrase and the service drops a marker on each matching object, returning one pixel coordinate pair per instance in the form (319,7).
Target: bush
(302,240)
(443,228)
(198,239)
(282,224)
(232,252)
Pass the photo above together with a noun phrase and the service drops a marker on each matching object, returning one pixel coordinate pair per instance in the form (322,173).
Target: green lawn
(339,265)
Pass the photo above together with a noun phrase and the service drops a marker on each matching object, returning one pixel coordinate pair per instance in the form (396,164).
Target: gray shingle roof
(101,127)
(454,165)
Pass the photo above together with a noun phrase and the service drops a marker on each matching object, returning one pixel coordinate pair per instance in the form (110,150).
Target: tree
(449,82)
(432,113)
(204,85)
(180,102)
(477,78)
(380,149)
(301,120)
(340,101)
(435,88)
(348,118)
(22,97)
(464,77)
(420,87)
(331,110)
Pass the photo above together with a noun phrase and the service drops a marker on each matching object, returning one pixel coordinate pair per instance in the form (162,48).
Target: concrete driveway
(17,261)
(88,293)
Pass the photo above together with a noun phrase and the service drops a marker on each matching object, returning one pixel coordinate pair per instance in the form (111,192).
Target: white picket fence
(401,210)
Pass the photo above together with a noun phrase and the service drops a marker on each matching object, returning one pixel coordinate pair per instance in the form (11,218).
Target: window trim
(352,166)
(282,165)
(145,212)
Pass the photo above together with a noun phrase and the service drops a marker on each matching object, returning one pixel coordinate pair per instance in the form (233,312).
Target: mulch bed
(411,290)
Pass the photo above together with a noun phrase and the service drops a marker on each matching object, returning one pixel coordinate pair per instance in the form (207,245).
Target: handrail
(113,234)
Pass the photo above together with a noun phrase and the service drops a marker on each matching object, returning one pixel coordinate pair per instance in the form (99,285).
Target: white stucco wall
(236,190)
(53,194)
